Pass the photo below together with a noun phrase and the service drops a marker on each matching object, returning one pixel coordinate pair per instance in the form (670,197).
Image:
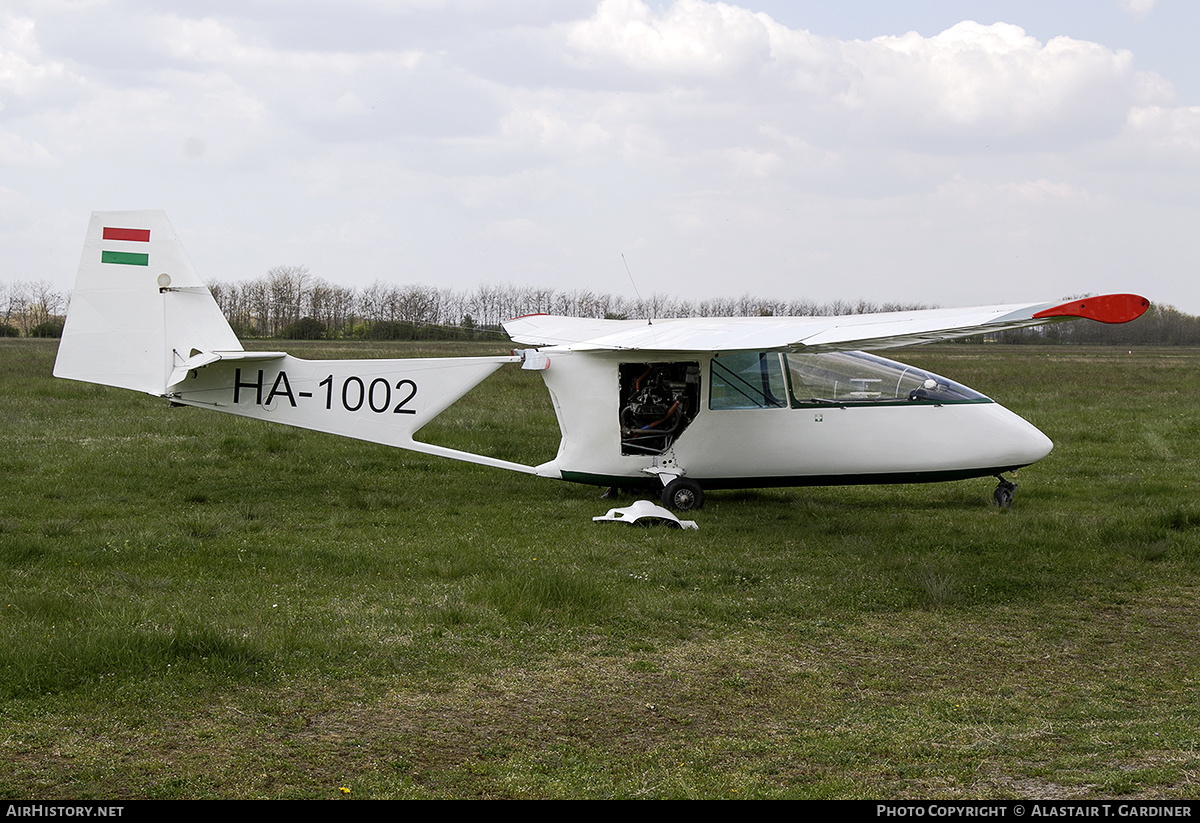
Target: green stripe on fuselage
(881,478)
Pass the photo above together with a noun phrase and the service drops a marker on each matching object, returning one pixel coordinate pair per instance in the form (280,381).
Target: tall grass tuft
(935,587)
(91,660)
(545,593)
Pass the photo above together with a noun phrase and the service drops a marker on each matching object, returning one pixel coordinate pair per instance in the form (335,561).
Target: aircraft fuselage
(743,420)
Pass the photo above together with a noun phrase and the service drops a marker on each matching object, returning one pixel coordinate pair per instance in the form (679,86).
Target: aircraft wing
(853,332)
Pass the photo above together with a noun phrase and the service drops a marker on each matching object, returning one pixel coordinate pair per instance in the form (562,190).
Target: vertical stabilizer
(138,307)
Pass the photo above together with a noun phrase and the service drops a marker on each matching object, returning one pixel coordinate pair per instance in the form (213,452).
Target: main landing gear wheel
(1003,495)
(683,495)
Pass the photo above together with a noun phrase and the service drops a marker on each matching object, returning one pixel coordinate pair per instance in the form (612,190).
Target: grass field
(195,605)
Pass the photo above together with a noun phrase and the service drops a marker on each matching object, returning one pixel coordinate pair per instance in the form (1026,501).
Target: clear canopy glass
(845,378)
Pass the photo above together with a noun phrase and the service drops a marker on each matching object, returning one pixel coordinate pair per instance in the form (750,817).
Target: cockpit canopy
(756,380)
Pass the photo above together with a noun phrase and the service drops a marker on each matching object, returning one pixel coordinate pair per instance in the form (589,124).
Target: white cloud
(972,82)
(16,150)
(755,163)
(551,125)
(1138,9)
(1172,131)
(994,79)
(690,37)
(27,76)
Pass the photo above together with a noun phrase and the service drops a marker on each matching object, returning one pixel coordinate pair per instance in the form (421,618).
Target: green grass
(196,605)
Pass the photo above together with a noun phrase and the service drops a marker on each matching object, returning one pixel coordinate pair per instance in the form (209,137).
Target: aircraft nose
(1006,439)
(1037,443)
(1027,442)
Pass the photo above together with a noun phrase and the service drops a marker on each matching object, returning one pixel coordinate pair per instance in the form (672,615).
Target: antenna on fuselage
(649,321)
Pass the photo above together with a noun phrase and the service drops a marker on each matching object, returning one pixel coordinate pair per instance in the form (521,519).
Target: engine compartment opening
(658,401)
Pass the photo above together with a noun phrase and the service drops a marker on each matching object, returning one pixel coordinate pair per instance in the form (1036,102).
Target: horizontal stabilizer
(205,358)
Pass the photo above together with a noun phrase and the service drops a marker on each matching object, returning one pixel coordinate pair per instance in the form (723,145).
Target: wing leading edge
(854,332)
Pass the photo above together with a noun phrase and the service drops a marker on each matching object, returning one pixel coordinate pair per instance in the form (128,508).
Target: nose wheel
(1003,495)
(683,495)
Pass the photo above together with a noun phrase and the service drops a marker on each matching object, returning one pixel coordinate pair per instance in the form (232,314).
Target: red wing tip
(1107,308)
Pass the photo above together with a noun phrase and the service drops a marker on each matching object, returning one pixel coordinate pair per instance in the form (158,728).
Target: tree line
(290,302)
(32,309)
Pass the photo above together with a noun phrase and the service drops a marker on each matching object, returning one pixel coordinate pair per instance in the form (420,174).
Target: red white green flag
(125,258)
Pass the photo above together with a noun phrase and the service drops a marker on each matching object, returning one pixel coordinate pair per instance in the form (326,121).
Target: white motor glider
(679,406)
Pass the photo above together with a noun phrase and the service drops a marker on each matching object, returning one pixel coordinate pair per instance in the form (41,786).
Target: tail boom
(381,401)
(142,319)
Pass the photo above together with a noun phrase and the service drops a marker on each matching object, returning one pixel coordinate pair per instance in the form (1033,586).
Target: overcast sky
(951,152)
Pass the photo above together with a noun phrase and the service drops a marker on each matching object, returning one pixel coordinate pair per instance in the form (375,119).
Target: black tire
(683,495)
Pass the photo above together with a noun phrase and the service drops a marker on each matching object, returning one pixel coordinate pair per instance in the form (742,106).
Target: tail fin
(139,308)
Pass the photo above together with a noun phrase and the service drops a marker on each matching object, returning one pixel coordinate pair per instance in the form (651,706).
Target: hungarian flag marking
(126,258)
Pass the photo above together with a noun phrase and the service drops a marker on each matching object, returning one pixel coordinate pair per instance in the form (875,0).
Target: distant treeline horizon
(289,302)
